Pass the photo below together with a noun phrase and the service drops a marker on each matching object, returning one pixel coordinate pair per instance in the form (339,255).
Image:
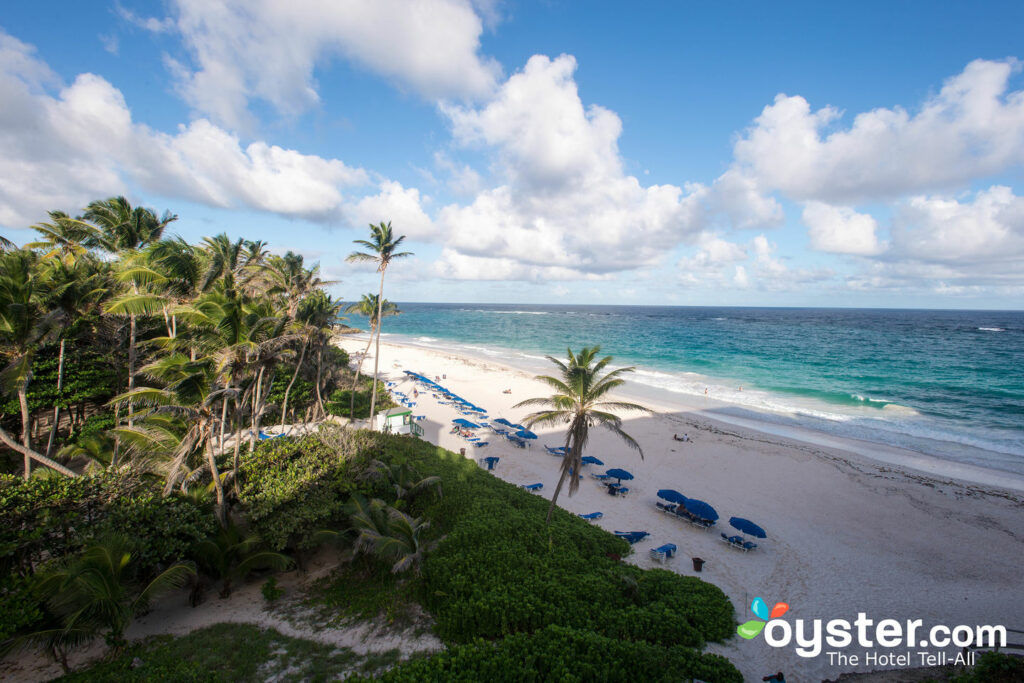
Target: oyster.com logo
(752,628)
(902,643)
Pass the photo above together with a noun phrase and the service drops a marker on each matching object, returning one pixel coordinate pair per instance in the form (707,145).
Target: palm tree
(577,402)
(190,393)
(371,307)
(78,284)
(93,594)
(229,556)
(289,278)
(64,236)
(381,249)
(24,325)
(314,317)
(123,227)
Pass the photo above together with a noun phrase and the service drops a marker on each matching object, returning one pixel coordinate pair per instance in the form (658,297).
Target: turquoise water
(944,383)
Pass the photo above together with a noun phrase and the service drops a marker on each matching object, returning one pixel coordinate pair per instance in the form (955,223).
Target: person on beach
(775,678)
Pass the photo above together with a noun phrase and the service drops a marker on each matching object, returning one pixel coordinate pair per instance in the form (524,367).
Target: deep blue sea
(945,383)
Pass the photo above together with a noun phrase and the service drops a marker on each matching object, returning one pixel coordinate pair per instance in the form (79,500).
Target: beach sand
(846,534)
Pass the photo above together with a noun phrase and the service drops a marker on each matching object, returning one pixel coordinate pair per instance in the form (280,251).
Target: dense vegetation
(140,371)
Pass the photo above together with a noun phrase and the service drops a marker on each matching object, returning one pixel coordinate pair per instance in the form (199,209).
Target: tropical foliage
(580,402)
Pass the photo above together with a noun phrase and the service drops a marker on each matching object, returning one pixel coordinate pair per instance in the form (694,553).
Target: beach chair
(617,490)
(664,553)
(669,508)
(263,436)
(632,536)
(533,488)
(733,541)
(600,477)
(420,417)
(480,444)
(592,516)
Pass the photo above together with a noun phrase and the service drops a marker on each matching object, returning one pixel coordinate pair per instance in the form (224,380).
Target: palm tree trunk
(255,405)
(376,355)
(218,486)
(295,376)
(9,441)
(238,445)
(567,461)
(56,408)
(223,422)
(131,367)
(26,438)
(359,369)
(319,373)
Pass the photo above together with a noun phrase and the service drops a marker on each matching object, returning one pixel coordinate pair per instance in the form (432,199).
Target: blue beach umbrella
(671,495)
(466,423)
(589,460)
(503,421)
(619,474)
(700,509)
(526,434)
(745,526)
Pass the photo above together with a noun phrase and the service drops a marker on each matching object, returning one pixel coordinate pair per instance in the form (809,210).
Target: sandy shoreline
(846,534)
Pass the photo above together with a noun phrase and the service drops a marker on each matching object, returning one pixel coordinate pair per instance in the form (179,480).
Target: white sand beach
(846,534)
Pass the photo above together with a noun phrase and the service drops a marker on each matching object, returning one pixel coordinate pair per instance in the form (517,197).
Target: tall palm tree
(289,278)
(123,227)
(64,235)
(191,393)
(314,317)
(78,285)
(371,307)
(24,325)
(577,402)
(382,249)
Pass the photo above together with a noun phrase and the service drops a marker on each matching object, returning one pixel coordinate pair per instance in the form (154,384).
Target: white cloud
(268,50)
(402,206)
(453,265)
(742,202)
(973,127)
(943,230)
(564,204)
(841,230)
(65,150)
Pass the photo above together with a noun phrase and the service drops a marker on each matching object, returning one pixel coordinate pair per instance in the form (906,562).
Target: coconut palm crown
(578,401)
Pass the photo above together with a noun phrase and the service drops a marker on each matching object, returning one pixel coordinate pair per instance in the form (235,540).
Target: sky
(862,154)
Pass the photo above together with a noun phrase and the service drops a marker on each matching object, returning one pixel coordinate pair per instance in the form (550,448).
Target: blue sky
(861,154)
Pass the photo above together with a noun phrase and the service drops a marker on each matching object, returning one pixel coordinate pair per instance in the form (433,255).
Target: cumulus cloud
(268,49)
(564,205)
(841,230)
(402,206)
(973,127)
(988,228)
(65,150)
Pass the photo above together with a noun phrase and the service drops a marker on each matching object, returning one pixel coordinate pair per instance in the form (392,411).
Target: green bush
(291,488)
(556,653)
(162,530)
(501,570)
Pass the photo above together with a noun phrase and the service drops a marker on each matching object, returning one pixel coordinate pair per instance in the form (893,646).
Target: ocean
(947,384)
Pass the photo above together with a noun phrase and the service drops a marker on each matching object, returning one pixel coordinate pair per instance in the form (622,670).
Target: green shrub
(501,570)
(556,653)
(271,591)
(994,667)
(291,488)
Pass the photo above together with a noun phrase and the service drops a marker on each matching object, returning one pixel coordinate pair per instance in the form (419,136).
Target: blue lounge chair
(600,477)
(592,516)
(632,536)
(489,462)
(263,436)
(617,490)
(535,488)
(420,417)
(670,508)
(557,450)
(738,543)
(663,553)
(480,444)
